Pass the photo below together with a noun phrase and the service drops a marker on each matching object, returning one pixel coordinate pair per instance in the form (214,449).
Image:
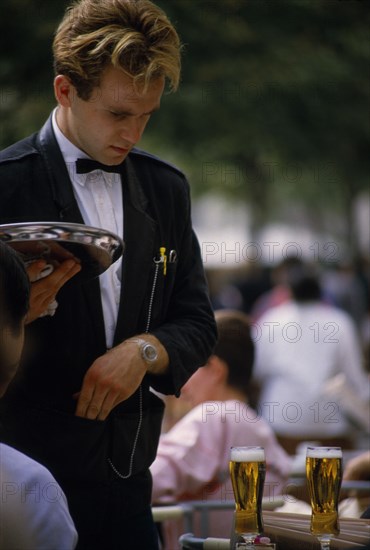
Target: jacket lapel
(61,185)
(139,235)
(64,198)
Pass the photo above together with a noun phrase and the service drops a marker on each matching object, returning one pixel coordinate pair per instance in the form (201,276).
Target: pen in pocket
(172,257)
(162,253)
(162,259)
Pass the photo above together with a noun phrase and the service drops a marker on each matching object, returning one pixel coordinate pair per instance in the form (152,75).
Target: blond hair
(134,35)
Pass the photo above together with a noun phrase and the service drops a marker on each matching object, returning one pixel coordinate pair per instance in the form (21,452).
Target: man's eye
(117,115)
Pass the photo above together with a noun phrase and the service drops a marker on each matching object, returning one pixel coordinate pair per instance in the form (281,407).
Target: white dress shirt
(99,198)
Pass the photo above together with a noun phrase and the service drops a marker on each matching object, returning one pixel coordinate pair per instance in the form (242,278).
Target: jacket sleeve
(189,331)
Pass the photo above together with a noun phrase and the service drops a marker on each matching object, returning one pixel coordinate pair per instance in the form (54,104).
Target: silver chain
(150,308)
(135,441)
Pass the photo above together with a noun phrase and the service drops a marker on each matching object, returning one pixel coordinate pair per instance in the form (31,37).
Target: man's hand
(112,378)
(115,376)
(44,291)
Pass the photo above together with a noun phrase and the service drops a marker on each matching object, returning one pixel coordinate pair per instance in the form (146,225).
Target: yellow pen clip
(162,253)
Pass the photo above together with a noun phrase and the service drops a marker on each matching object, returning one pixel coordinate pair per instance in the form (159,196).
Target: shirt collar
(71,153)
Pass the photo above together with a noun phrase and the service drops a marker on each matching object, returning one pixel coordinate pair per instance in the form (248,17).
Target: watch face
(150,353)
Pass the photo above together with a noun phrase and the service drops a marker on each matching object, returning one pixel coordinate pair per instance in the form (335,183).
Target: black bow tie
(83,166)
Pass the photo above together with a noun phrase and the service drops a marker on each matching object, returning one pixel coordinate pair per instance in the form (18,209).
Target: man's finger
(91,400)
(34,269)
(83,402)
(68,275)
(92,412)
(110,401)
(62,274)
(50,285)
(96,403)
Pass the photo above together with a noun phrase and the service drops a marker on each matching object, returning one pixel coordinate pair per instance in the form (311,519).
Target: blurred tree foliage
(273,105)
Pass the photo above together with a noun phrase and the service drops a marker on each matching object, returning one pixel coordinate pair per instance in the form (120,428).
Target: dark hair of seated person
(14,296)
(14,289)
(235,347)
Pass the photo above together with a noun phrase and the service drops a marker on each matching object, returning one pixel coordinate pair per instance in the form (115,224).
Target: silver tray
(94,248)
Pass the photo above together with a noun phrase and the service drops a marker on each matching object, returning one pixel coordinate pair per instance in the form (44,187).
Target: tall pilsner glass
(247,471)
(324,478)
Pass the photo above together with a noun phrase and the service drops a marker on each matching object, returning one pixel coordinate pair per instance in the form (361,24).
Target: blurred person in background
(347,287)
(244,288)
(280,291)
(34,511)
(193,457)
(357,469)
(300,346)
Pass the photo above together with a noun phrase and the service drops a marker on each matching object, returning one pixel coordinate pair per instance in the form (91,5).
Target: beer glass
(324,477)
(247,468)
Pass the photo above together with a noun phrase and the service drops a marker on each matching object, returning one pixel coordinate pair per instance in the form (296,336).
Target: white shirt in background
(299,347)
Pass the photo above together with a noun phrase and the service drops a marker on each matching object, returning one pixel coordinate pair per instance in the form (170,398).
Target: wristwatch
(148,351)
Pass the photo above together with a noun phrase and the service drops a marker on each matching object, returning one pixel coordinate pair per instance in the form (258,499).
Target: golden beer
(247,471)
(324,477)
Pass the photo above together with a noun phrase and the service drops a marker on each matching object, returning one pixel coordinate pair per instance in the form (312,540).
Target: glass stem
(249,541)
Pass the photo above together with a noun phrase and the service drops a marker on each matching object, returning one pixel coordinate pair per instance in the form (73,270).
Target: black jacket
(35,186)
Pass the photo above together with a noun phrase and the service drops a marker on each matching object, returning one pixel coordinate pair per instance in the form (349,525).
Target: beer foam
(324,452)
(247,454)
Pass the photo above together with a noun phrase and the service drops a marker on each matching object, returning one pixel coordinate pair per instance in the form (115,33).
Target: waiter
(83,405)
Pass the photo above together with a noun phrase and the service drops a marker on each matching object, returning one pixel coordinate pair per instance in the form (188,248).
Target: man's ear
(218,368)
(64,91)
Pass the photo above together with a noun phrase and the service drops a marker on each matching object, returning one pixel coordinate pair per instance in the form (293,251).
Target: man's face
(11,346)
(109,124)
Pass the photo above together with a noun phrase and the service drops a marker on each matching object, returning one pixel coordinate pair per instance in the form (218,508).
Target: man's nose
(133,130)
